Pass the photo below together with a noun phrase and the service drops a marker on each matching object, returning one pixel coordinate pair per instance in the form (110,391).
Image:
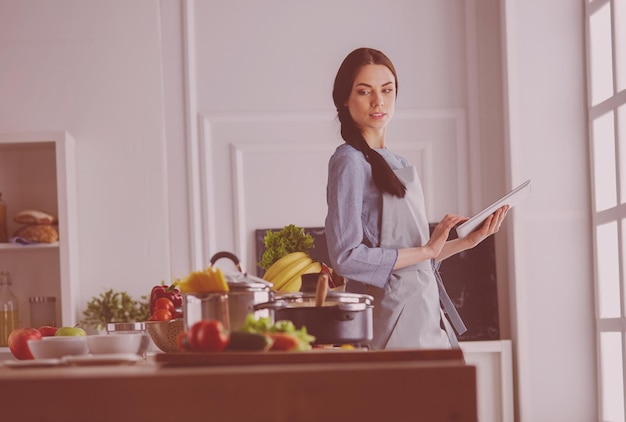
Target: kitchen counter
(314,386)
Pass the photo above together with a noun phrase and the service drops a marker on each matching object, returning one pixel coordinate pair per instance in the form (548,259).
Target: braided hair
(384,177)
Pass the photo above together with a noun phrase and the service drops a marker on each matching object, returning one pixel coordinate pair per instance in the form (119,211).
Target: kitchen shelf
(13,246)
(38,171)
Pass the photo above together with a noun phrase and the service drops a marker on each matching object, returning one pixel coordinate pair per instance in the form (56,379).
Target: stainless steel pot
(333,318)
(245,291)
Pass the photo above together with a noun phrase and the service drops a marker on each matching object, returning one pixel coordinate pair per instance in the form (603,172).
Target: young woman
(376,228)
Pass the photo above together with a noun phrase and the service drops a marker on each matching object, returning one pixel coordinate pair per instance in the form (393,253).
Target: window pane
(608,270)
(620,43)
(601,58)
(611,373)
(604,162)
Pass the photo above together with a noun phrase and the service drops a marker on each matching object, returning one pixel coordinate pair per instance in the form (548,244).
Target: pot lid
(341,301)
(331,297)
(241,280)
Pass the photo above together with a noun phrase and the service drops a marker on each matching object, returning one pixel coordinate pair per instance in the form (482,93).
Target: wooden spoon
(321,290)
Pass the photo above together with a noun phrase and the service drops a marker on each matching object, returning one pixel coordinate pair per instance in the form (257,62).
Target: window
(606,65)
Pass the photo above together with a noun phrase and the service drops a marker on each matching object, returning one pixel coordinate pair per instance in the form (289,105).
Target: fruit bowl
(164,333)
(117,343)
(56,347)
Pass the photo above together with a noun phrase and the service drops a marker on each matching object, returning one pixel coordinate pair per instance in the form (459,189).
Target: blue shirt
(353,222)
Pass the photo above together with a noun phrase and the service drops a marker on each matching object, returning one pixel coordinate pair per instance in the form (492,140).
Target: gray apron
(407,312)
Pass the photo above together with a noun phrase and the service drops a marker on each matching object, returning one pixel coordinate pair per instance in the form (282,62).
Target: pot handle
(278,304)
(230,256)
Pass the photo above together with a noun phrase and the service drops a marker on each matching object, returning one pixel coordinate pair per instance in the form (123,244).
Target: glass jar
(9,312)
(121,328)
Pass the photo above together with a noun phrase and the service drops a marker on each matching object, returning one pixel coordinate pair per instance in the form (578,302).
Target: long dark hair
(384,177)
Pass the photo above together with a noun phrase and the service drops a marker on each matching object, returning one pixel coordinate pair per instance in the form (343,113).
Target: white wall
(267,97)
(447,55)
(552,290)
(135,81)
(93,68)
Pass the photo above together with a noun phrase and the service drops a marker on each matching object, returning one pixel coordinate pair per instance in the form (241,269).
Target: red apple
(48,330)
(18,342)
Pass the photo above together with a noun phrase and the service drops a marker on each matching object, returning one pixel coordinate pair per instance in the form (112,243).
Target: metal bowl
(164,334)
(125,327)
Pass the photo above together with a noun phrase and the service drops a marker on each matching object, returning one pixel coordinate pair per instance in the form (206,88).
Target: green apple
(70,331)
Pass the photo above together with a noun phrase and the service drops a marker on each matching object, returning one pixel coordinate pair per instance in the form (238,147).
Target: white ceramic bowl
(55,347)
(100,344)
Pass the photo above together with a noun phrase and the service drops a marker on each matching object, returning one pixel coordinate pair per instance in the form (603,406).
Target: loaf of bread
(38,233)
(34,217)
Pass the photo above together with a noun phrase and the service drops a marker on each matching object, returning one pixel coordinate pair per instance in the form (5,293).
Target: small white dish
(104,359)
(56,347)
(106,344)
(32,363)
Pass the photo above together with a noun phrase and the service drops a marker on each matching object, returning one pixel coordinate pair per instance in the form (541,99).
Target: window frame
(615,104)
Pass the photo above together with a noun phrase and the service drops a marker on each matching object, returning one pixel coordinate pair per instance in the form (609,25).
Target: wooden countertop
(308,386)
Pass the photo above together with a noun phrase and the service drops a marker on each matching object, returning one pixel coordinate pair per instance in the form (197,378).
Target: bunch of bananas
(286,273)
(211,280)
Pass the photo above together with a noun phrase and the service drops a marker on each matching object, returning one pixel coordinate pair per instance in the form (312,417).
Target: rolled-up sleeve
(349,251)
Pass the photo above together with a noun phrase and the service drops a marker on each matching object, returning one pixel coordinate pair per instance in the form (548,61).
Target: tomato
(161,315)
(208,336)
(164,303)
(283,342)
(182,341)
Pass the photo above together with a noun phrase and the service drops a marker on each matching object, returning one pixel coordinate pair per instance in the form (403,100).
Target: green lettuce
(265,325)
(280,243)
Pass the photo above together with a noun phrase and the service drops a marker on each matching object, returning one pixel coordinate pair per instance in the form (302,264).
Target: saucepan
(334,318)
(245,291)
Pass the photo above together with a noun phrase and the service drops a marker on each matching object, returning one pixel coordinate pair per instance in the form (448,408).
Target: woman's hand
(440,248)
(432,249)
(440,234)
(490,226)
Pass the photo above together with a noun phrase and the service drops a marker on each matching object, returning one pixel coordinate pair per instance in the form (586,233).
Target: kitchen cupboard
(494,378)
(430,386)
(38,171)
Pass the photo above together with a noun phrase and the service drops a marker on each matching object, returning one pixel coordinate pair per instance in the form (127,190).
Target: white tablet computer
(510,199)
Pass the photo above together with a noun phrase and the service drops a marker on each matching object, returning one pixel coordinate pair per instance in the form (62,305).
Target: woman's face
(373,98)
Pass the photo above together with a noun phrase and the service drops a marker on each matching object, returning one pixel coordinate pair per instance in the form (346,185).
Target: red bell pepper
(170,292)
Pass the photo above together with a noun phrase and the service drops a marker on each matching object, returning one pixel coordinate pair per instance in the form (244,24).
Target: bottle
(4,233)
(9,316)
